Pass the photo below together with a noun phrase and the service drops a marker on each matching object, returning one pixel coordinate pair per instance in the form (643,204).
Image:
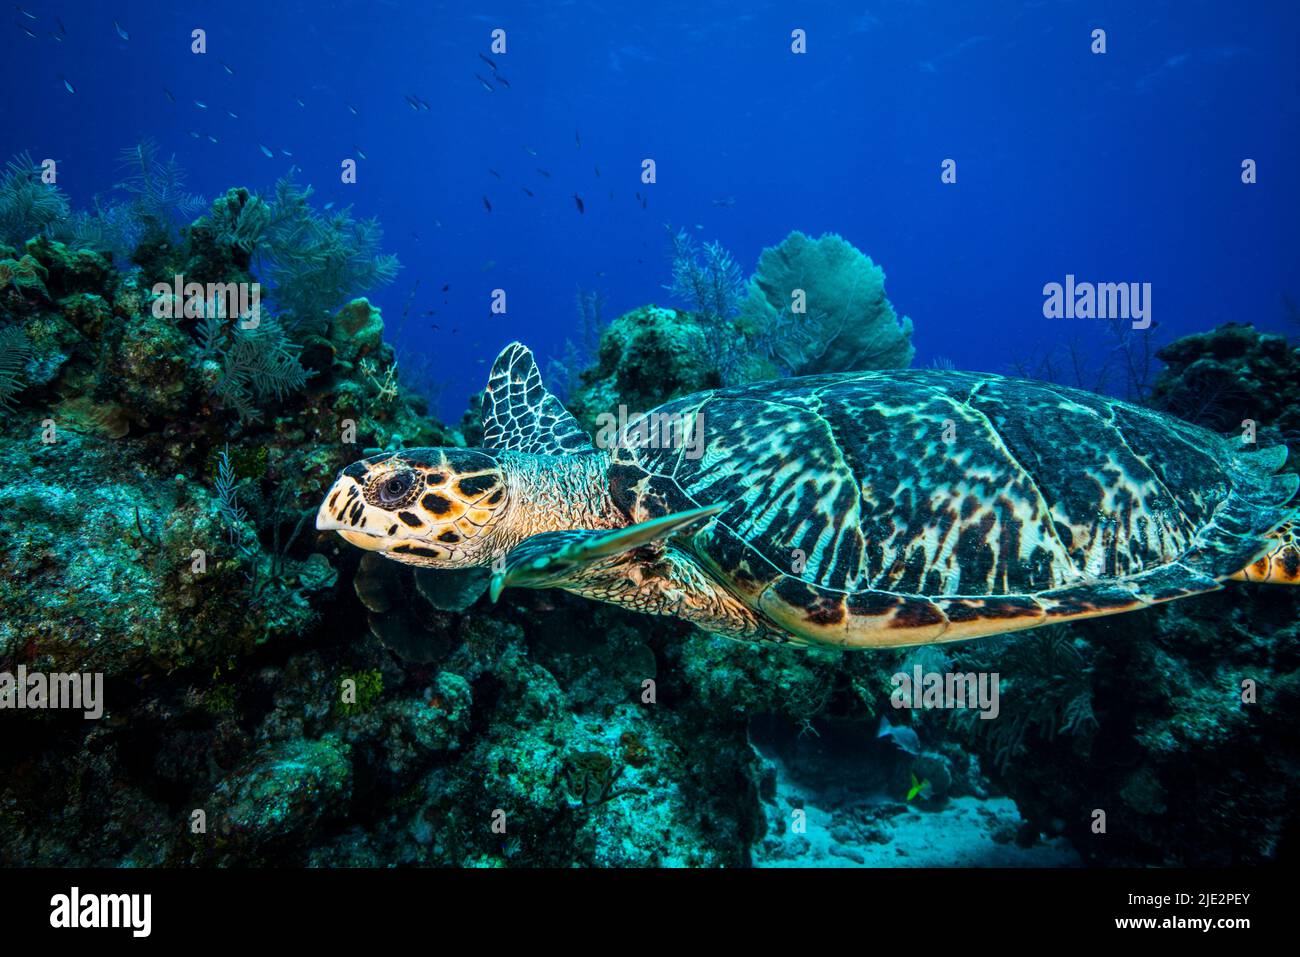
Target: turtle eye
(394,488)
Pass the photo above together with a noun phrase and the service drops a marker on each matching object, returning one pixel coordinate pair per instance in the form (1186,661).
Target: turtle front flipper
(639,568)
(566,559)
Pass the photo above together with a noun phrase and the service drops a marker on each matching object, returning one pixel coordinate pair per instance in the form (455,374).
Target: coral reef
(646,356)
(274,697)
(1233,374)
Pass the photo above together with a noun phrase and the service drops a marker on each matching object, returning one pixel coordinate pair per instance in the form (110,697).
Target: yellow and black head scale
(432,507)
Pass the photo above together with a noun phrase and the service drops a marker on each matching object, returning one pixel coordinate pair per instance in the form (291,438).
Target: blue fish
(901,735)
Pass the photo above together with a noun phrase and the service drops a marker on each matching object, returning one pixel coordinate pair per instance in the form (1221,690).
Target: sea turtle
(859,510)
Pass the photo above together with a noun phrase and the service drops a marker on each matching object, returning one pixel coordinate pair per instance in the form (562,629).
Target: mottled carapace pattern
(922,505)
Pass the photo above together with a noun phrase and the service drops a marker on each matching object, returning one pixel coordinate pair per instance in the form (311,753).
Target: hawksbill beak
(335,515)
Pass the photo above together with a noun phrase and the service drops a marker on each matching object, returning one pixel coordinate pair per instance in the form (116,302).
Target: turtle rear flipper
(1281,566)
(556,559)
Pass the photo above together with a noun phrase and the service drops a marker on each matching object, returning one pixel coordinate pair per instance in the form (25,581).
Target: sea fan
(847,323)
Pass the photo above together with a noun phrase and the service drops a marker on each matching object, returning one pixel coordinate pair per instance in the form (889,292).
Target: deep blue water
(1117,167)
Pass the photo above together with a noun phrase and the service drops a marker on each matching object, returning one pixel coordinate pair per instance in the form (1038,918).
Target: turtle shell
(903,507)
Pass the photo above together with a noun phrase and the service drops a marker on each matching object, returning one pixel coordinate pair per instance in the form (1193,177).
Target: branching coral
(241,219)
(15,350)
(820,305)
(386,385)
(314,262)
(1047,691)
(562,374)
(232,514)
(110,227)
(29,207)
(256,364)
(708,277)
(157,186)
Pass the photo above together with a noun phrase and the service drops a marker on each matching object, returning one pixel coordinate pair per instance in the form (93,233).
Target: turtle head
(440,508)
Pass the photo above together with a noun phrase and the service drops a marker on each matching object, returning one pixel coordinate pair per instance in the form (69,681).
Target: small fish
(233,116)
(329,205)
(56,38)
(298,100)
(918,787)
(411,102)
(63,31)
(353,109)
(196,134)
(544,172)
(68,86)
(120,32)
(446,287)
(434,326)
(526,190)
(494,173)
(286,152)
(643,201)
(28,32)
(200,104)
(597,172)
(902,736)
(359,152)
(486,204)
(502,80)
(211,137)
(578,199)
(226,66)
(424,105)
(480,56)
(530,151)
(266,152)
(486,85)
(725,203)
(29,16)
